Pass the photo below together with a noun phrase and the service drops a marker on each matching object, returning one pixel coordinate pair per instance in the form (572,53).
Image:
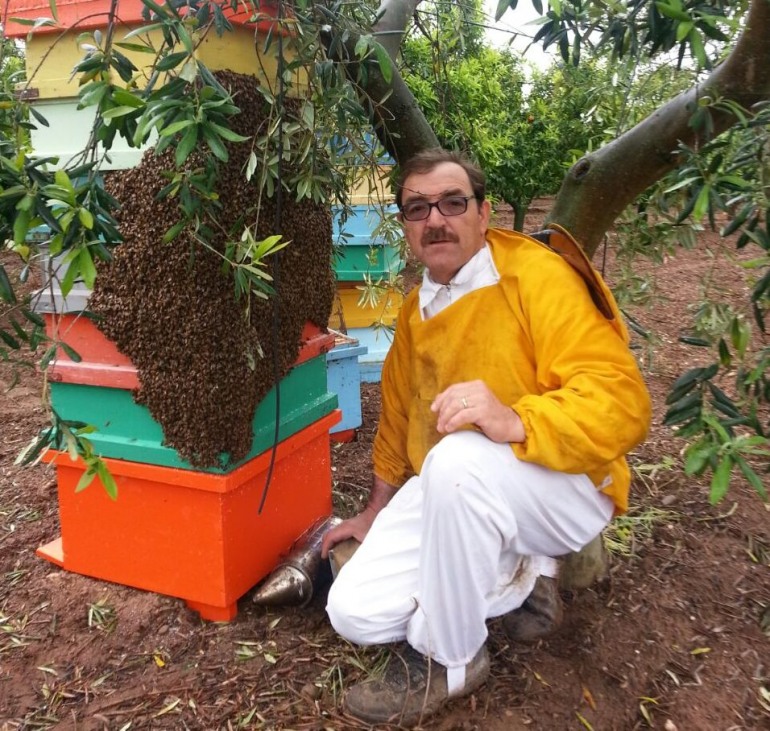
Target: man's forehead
(445,179)
(431,192)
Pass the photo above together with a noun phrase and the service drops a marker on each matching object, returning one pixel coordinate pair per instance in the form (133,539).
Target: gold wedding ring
(464,402)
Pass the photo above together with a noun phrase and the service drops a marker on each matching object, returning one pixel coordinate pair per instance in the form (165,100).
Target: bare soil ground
(673,639)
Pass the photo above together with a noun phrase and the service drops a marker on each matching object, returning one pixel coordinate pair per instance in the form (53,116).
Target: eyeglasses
(419,210)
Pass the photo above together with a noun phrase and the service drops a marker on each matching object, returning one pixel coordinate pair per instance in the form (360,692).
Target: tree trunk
(519,213)
(599,186)
(394,17)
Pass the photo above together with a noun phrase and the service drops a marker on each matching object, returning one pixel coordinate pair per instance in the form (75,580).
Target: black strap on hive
(276,263)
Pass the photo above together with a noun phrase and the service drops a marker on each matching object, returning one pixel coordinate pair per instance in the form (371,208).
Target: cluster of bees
(205,360)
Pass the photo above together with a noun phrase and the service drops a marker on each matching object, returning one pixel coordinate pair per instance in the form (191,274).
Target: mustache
(437,234)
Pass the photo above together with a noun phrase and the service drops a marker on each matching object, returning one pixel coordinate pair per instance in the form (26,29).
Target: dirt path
(672,640)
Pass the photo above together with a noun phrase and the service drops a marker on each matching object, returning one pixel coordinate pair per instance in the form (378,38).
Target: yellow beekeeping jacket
(539,342)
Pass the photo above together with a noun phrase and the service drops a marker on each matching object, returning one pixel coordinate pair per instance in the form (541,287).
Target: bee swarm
(202,365)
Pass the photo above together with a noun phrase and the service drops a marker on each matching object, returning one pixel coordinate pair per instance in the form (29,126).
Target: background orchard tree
(482,101)
(556,126)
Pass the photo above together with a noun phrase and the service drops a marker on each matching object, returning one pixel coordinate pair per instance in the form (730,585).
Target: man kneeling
(508,403)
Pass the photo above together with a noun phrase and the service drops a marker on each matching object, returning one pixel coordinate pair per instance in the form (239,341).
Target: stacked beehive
(175,529)
(363,254)
(198,534)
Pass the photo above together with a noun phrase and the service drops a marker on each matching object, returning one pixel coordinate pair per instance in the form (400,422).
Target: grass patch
(102,616)
(626,532)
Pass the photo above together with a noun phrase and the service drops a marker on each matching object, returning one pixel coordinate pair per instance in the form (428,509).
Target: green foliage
(632,29)
(11,74)
(725,424)
(245,257)
(470,103)
(629,90)
(721,183)
(522,133)
(713,319)
(185,106)
(80,226)
(71,437)
(560,125)
(634,289)
(456,27)
(526,127)
(727,433)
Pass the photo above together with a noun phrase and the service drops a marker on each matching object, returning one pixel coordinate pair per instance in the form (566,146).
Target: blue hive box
(343,377)
(377,342)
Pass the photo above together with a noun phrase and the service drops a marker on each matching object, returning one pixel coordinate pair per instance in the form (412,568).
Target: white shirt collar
(479,271)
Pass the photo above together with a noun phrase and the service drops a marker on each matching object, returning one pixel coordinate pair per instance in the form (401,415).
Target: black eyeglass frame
(437,204)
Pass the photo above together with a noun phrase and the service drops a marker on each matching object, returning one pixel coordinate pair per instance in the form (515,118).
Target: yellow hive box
(372,185)
(348,312)
(51,58)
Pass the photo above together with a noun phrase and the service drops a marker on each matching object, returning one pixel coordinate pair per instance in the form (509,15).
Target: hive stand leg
(53,552)
(348,435)
(212,613)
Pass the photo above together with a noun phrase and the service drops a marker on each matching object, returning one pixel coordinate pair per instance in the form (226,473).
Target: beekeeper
(509,399)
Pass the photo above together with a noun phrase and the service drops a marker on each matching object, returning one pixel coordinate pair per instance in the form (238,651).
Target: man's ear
(485,210)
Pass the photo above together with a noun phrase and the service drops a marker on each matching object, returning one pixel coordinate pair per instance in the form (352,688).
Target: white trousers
(462,542)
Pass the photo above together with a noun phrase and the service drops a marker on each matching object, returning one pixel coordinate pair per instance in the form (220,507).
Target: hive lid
(51,300)
(342,339)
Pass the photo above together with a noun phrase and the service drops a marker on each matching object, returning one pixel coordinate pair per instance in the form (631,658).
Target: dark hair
(425,161)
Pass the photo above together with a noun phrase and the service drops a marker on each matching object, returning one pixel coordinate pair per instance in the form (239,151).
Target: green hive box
(359,251)
(353,262)
(125,429)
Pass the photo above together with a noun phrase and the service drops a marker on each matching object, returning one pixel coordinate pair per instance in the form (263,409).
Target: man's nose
(435,217)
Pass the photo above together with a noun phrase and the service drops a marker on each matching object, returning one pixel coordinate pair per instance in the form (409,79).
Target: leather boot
(412,688)
(540,615)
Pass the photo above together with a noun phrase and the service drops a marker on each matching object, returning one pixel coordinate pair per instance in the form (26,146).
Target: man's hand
(474,403)
(356,528)
(359,526)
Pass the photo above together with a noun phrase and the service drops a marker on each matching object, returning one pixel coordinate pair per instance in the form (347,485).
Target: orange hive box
(193,535)
(89,14)
(102,364)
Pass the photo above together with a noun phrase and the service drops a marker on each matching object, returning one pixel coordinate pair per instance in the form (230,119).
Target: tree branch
(397,119)
(390,28)
(600,185)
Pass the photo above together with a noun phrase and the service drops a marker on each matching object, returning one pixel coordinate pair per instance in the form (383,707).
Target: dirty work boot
(412,688)
(539,616)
